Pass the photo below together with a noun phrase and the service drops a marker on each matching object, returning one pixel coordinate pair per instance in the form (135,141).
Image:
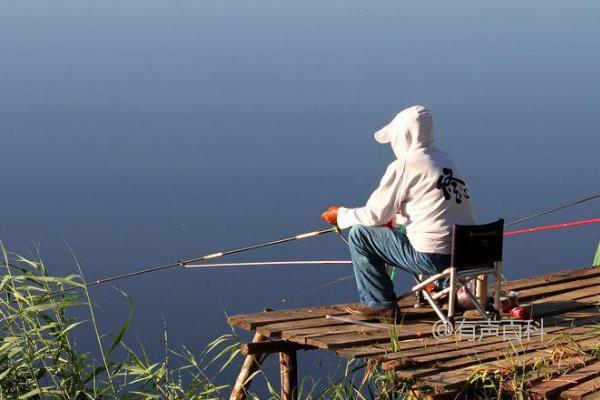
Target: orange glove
(390,224)
(330,215)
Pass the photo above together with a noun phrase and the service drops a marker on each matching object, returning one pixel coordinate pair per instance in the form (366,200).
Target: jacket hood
(410,130)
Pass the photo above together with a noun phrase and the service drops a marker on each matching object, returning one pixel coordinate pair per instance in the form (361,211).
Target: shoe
(386,315)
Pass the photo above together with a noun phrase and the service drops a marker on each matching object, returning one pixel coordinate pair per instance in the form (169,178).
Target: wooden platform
(564,363)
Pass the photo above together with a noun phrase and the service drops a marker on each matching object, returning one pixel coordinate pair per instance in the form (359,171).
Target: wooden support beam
(289,375)
(271,346)
(251,365)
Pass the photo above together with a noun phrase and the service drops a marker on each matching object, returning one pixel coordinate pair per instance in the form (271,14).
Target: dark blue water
(144,132)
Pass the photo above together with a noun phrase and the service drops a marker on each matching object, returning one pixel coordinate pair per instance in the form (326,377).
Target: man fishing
(407,221)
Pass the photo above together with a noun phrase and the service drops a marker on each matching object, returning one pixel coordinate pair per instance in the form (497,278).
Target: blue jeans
(372,248)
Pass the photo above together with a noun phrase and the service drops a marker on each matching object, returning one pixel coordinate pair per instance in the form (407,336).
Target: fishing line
(317,288)
(338,231)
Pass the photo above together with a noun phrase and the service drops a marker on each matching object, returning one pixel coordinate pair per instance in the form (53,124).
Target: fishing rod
(553,227)
(183,263)
(546,212)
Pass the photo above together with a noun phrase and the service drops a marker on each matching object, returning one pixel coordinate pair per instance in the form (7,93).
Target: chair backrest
(477,246)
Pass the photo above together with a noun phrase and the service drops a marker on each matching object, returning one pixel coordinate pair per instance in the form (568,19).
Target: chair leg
(452,294)
(436,308)
(419,294)
(481,289)
(476,303)
(434,305)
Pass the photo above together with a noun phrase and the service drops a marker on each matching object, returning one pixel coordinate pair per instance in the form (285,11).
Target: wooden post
(289,375)
(481,289)
(250,366)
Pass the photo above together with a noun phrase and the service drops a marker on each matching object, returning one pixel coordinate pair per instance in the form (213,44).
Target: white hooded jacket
(421,189)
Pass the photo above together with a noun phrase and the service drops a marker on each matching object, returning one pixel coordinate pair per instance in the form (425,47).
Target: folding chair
(476,250)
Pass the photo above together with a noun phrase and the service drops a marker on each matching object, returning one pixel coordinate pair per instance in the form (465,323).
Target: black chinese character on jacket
(452,186)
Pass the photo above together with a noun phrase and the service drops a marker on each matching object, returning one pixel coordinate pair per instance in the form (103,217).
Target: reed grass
(40,315)
(39,358)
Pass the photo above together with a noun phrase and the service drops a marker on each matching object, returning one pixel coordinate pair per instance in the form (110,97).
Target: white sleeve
(381,206)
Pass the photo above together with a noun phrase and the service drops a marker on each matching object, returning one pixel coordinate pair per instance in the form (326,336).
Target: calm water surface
(144,132)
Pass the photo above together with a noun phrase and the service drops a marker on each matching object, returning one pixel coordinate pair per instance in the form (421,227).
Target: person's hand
(330,215)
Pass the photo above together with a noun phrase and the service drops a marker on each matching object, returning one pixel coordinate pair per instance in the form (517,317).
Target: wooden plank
(560,276)
(337,338)
(252,320)
(436,354)
(459,378)
(562,287)
(366,336)
(275,330)
(351,339)
(416,372)
(499,354)
(445,353)
(378,349)
(559,322)
(564,302)
(550,388)
(451,346)
(485,352)
(562,367)
(458,375)
(535,376)
(585,390)
(384,351)
(542,307)
(301,335)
